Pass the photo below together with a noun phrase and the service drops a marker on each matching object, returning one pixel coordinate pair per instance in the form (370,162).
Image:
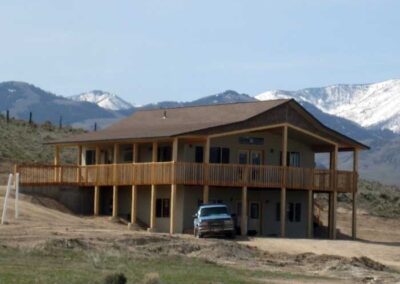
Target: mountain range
(355,110)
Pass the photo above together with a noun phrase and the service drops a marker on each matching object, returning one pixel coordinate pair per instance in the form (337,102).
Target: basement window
(162,207)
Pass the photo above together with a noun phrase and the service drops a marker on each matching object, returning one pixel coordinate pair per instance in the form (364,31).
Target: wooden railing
(234,175)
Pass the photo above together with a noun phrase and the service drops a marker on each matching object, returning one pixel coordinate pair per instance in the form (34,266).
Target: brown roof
(185,120)
(151,124)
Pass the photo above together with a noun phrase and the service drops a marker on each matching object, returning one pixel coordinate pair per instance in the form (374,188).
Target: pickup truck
(213,219)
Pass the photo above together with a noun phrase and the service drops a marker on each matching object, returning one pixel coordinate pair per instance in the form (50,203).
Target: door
(254,221)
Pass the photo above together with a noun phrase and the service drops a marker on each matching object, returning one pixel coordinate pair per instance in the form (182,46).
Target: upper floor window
(292,159)
(199,154)
(219,155)
(90,157)
(164,153)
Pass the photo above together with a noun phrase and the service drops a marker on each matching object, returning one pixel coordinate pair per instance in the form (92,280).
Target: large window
(219,155)
(162,207)
(164,153)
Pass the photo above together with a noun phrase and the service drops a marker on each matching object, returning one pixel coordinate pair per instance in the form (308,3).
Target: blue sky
(149,51)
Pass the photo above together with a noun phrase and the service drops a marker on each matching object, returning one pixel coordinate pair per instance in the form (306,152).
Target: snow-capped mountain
(370,105)
(104,100)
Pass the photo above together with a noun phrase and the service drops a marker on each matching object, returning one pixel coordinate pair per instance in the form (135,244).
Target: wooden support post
(172,218)
(115,162)
(173,187)
(57,163)
(334,188)
(283,189)
(97,158)
(206,160)
(134,199)
(115,203)
(79,164)
(310,219)
(206,194)
(243,219)
(354,193)
(96,200)
(153,198)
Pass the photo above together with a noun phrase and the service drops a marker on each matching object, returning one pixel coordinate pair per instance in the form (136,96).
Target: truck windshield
(212,211)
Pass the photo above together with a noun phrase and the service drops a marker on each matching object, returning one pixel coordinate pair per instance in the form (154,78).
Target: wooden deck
(234,175)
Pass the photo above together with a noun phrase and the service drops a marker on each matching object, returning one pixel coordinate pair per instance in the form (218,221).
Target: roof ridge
(211,105)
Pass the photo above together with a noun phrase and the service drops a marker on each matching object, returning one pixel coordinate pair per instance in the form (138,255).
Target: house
(155,167)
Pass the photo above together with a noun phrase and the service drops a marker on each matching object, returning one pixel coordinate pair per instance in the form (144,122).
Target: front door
(254,221)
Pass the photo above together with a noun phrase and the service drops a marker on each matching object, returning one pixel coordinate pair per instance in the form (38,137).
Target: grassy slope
(76,266)
(22,142)
(379,199)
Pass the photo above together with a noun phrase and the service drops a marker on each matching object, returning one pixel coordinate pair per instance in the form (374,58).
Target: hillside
(22,98)
(24,143)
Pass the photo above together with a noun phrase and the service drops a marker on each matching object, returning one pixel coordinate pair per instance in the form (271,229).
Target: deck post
(334,185)
(333,193)
(310,218)
(283,189)
(114,216)
(79,163)
(115,186)
(173,187)
(206,160)
(57,163)
(153,198)
(134,189)
(243,219)
(354,193)
(96,200)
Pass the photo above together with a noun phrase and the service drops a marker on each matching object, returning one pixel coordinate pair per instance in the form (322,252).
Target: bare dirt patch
(46,229)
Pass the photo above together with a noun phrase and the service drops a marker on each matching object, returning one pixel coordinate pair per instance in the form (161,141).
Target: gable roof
(162,123)
(151,124)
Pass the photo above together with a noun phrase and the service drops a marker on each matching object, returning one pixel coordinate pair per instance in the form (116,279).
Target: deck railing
(234,175)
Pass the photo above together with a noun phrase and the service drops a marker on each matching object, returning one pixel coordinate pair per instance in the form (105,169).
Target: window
(254,210)
(219,155)
(90,157)
(128,156)
(164,153)
(199,154)
(294,212)
(292,159)
(251,140)
(162,207)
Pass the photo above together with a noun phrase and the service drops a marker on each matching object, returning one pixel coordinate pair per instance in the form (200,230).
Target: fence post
(16,195)
(4,215)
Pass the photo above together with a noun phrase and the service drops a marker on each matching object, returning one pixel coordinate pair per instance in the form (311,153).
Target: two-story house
(156,167)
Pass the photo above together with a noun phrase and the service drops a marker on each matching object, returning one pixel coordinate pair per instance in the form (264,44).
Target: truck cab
(213,219)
